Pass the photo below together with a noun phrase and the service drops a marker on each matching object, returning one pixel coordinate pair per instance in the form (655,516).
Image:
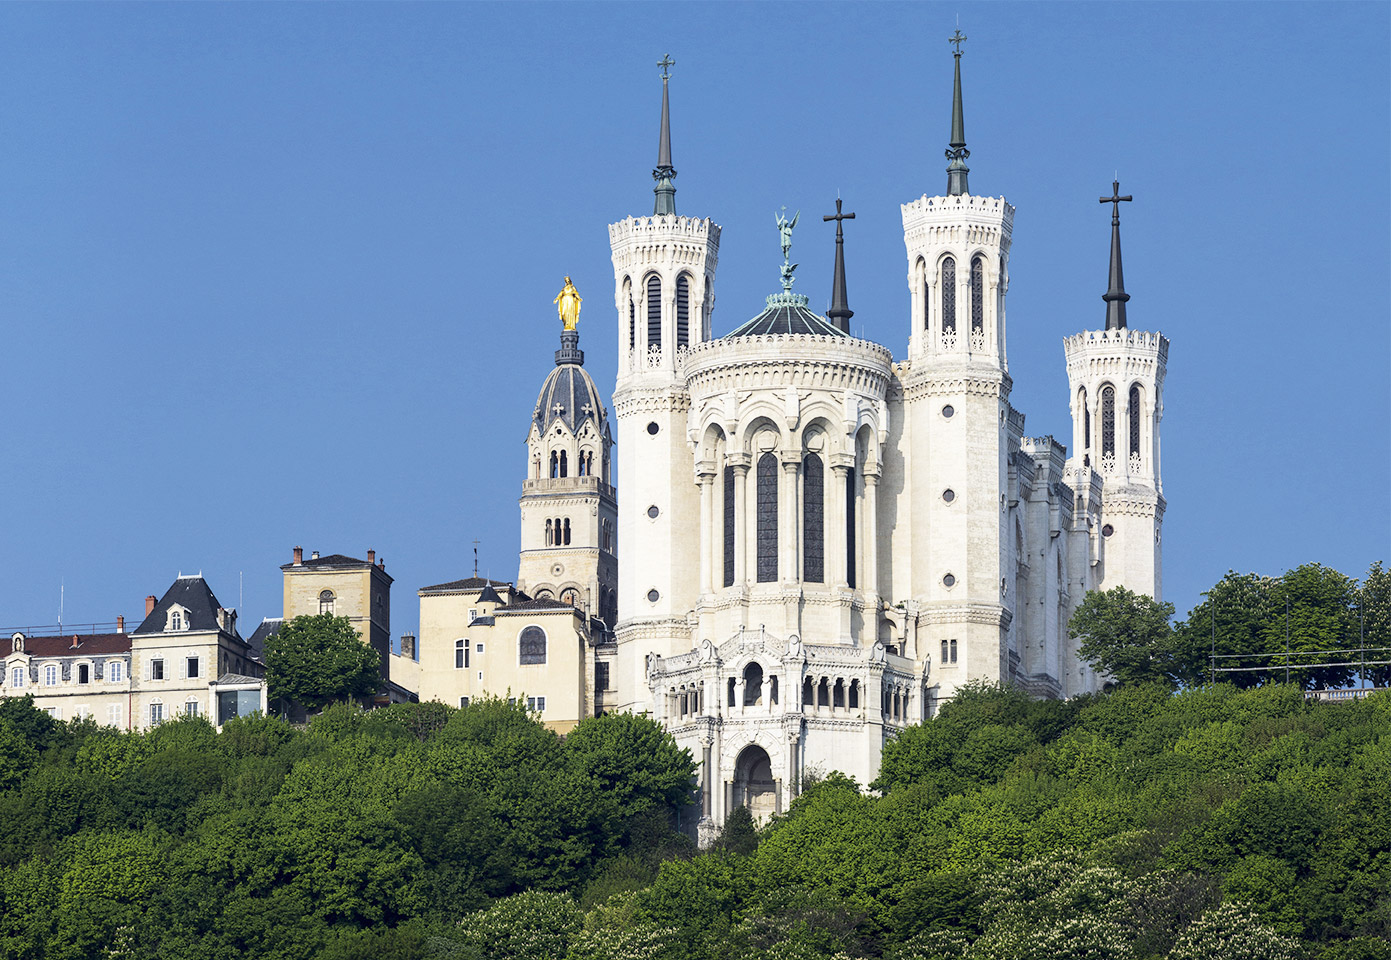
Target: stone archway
(754,786)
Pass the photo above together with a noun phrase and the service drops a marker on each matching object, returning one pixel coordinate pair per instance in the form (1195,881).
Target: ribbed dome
(569,394)
(787,313)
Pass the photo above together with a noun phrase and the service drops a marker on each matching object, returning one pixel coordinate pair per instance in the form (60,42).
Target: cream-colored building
(185,658)
(481,637)
(343,587)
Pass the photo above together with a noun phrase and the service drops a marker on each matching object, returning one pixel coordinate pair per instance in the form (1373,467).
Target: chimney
(381,564)
(75,642)
(371,555)
(120,624)
(314,555)
(150,602)
(299,555)
(408,645)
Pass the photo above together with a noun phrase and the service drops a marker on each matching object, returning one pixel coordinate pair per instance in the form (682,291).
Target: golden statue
(569,305)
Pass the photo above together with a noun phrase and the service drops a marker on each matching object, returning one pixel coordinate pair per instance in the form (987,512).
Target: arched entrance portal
(753,783)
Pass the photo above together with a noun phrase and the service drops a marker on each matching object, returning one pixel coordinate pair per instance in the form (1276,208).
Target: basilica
(785,543)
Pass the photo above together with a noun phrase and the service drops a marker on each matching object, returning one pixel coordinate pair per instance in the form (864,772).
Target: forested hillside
(1213,823)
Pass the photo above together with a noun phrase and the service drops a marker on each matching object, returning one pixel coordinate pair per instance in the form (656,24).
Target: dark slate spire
(1115,295)
(840,312)
(665,172)
(956,150)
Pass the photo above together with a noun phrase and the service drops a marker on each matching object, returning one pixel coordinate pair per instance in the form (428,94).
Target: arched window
(567,531)
(190,707)
(606,535)
(854,694)
(808,694)
(632,321)
(683,310)
(850,527)
(50,675)
(767,518)
(729,526)
(654,311)
(773,690)
(1108,421)
(176,620)
(571,596)
(564,466)
(326,602)
(555,465)
(813,520)
(460,654)
(1134,421)
(550,534)
(838,693)
(115,671)
(753,685)
(731,691)
(531,644)
(977,294)
(579,472)
(1086,419)
(156,712)
(948,295)
(823,693)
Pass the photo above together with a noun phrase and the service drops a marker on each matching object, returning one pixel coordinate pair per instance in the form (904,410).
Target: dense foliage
(1213,823)
(317,660)
(1312,626)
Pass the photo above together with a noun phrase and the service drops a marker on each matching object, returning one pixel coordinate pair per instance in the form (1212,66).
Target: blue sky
(282,274)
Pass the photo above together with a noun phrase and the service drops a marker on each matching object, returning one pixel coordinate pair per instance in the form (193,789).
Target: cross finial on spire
(840,312)
(957,39)
(664,172)
(956,149)
(1115,295)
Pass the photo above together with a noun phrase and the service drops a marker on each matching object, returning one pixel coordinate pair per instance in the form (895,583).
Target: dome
(787,313)
(569,395)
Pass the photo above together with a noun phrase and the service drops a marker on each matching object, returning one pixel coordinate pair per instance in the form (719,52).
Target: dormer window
(177,619)
(326,600)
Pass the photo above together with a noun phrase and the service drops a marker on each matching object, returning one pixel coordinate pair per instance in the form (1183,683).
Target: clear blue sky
(282,274)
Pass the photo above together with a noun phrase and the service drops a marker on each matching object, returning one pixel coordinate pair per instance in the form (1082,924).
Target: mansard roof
(88,645)
(787,313)
(533,606)
(465,585)
(195,596)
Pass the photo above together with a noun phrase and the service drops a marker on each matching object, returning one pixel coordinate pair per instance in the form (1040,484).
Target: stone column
(739,695)
(705,476)
(1123,431)
(869,533)
(787,518)
(740,463)
(835,520)
(706,779)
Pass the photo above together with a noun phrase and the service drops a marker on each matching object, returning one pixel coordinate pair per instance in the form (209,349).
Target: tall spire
(956,150)
(666,193)
(840,312)
(1115,295)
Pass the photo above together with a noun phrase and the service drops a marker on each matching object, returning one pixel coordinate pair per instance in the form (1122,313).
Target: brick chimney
(75,642)
(299,555)
(371,555)
(120,624)
(150,602)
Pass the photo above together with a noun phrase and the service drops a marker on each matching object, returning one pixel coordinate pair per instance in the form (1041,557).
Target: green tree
(1232,622)
(317,660)
(1128,636)
(1374,611)
(1319,627)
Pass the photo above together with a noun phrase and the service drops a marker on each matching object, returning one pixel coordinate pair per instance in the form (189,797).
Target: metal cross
(957,40)
(1115,201)
(838,218)
(665,62)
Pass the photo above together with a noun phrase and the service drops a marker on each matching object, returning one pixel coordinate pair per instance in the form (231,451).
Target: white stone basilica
(816,543)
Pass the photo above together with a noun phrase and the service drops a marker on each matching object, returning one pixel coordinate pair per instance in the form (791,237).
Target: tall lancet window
(1086,419)
(850,526)
(632,323)
(767,535)
(683,311)
(813,520)
(949,295)
(654,311)
(977,295)
(1108,421)
(729,526)
(564,467)
(1134,421)
(555,465)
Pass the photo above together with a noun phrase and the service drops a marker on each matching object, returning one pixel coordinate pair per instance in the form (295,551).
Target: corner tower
(568,509)
(958,424)
(1116,379)
(664,281)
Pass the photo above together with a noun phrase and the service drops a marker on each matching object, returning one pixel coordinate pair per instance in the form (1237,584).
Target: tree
(1320,626)
(1374,610)
(317,660)
(1232,623)
(1128,636)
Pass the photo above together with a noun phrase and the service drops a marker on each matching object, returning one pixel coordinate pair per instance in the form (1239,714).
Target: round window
(653,596)
(949,411)
(1107,530)
(652,511)
(557,569)
(652,428)
(949,494)
(949,581)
